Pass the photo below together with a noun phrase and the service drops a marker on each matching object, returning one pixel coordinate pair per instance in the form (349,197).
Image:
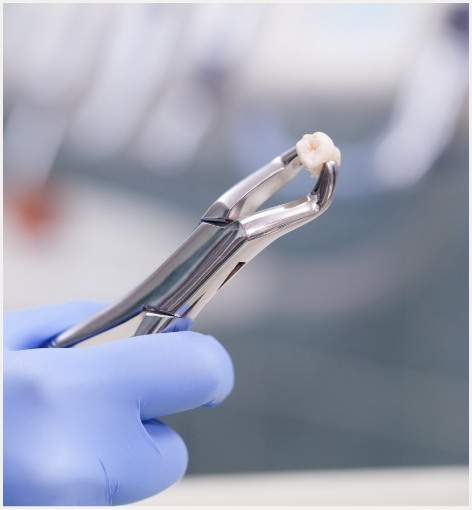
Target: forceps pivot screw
(228,236)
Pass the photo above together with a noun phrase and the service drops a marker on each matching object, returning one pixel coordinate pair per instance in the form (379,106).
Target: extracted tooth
(316,149)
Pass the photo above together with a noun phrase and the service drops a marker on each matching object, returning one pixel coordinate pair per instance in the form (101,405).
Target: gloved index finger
(162,374)
(32,327)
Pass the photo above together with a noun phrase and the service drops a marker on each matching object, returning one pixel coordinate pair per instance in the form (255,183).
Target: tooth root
(336,156)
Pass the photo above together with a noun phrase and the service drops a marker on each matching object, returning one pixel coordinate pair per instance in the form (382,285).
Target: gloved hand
(80,424)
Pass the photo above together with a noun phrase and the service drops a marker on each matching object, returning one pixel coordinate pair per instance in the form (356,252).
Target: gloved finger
(31,327)
(150,458)
(179,325)
(111,461)
(163,373)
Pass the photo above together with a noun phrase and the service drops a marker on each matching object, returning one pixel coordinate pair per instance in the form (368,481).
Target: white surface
(401,486)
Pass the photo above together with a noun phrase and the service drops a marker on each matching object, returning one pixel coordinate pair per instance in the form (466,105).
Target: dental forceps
(229,235)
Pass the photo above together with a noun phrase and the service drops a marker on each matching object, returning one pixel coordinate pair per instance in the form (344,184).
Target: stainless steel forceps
(229,235)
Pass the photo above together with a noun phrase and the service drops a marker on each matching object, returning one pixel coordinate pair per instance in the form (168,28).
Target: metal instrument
(229,235)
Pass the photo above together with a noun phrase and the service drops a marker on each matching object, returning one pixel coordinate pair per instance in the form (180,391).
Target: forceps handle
(180,287)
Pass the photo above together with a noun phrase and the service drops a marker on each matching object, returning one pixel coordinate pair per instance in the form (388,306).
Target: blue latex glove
(79,424)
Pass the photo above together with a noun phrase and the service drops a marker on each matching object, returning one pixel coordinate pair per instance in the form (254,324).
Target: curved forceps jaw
(250,193)
(281,219)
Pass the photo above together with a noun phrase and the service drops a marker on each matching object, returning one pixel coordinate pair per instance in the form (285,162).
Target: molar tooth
(316,149)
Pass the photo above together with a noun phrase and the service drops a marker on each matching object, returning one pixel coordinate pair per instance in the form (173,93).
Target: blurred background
(124,122)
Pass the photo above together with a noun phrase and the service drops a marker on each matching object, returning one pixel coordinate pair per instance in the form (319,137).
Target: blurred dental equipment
(430,102)
(142,79)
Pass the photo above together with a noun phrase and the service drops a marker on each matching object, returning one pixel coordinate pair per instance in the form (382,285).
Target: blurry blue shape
(426,113)
(423,121)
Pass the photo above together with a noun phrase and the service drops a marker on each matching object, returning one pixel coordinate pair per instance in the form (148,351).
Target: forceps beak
(251,192)
(284,218)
